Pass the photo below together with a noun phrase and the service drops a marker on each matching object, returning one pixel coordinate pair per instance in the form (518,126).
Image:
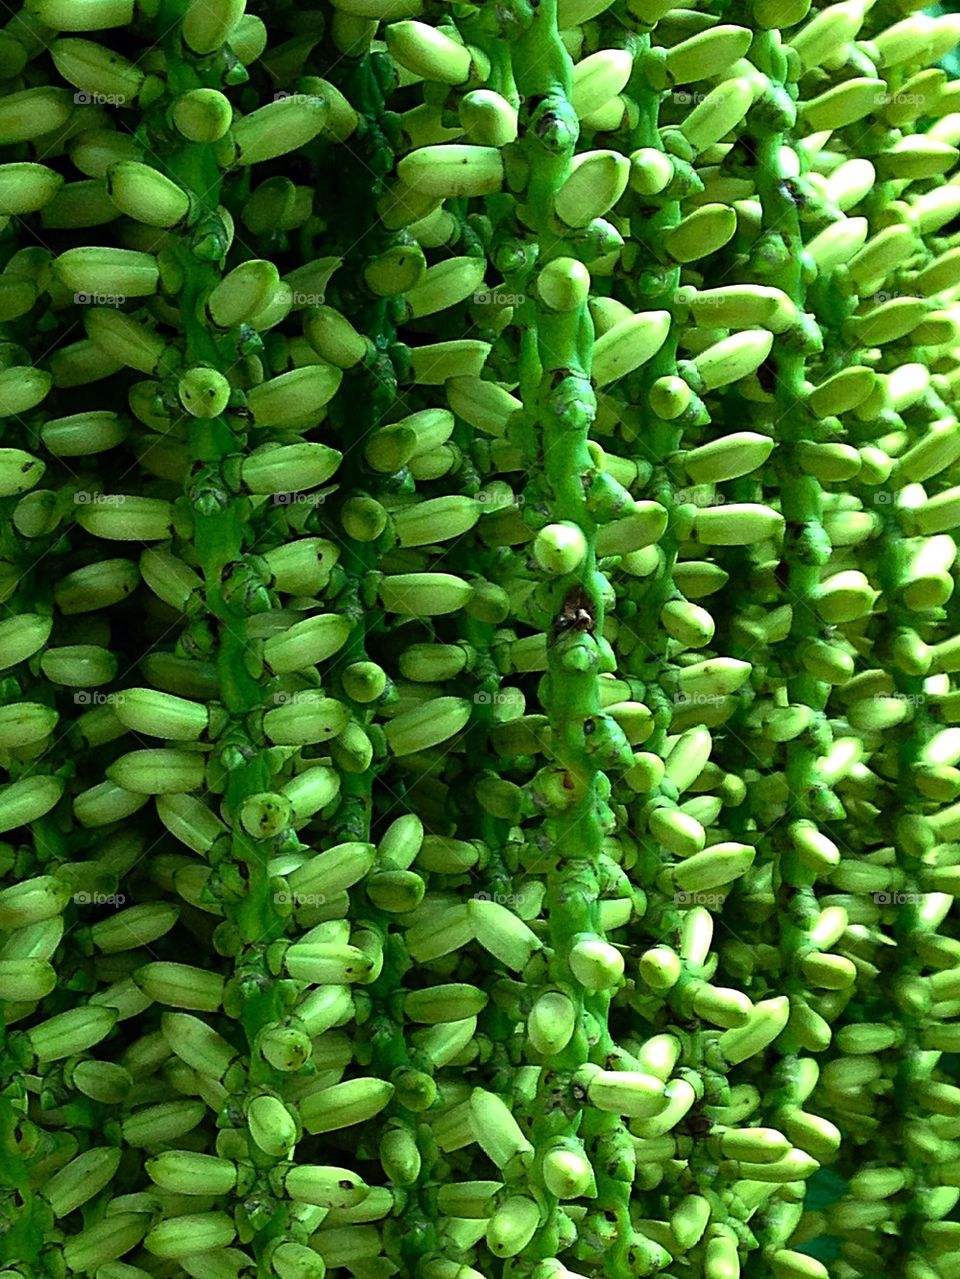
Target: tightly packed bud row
(479,734)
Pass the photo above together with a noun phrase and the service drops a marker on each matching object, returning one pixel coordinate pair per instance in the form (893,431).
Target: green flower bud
(120,517)
(69,1033)
(26,188)
(97,70)
(597,181)
(32,113)
(487,118)
(294,400)
(343,1105)
(598,78)
(22,389)
(452,170)
(189,1234)
(202,115)
(185,1173)
(181,986)
(146,195)
(512,1226)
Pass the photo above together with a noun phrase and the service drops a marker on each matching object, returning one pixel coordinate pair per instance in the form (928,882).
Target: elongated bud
(720,864)
(334,338)
(720,111)
(271,1126)
(97,70)
(25,187)
(625,1092)
(181,986)
(87,15)
(488,118)
(278,128)
(598,78)
(452,170)
(689,1221)
(185,1173)
(190,1234)
(27,980)
(70,1033)
(429,53)
(597,181)
(294,399)
(436,520)
(701,232)
(27,800)
(628,345)
(206,26)
(323,962)
(427,725)
(512,1226)
(89,1249)
(202,115)
(707,54)
(146,195)
(551,1023)
(118,271)
(343,1105)
(82,1178)
(24,723)
(136,926)
(495,1129)
(243,293)
(158,772)
(324,1186)
(33,112)
(197,1044)
(423,594)
(844,104)
(568,1174)
(438,362)
(312,790)
(732,358)
(22,388)
(158,714)
(502,933)
(736,524)
(125,518)
(766,1022)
